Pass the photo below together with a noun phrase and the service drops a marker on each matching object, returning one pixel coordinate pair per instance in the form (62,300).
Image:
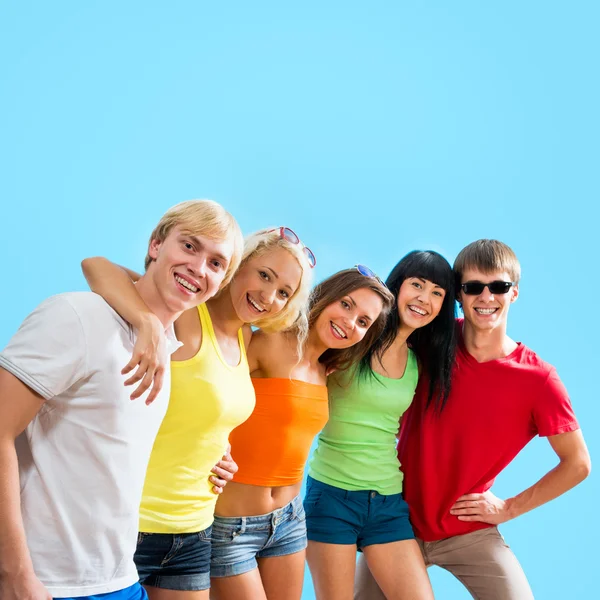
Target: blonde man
(68,430)
(270,290)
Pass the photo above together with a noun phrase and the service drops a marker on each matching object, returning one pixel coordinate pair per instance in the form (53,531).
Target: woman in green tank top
(354,492)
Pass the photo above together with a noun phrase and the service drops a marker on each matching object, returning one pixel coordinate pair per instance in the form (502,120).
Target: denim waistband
(289,511)
(366,495)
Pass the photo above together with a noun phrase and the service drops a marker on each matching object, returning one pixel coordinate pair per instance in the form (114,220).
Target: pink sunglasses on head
(292,237)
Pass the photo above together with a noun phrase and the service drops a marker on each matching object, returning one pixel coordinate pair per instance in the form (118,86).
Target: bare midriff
(271,447)
(240,499)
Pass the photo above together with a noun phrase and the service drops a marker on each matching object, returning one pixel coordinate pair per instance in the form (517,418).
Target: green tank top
(357,448)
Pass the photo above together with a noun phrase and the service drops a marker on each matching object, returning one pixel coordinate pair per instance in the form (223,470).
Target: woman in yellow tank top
(211,393)
(259,532)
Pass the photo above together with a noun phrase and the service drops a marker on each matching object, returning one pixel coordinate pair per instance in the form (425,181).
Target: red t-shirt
(495,408)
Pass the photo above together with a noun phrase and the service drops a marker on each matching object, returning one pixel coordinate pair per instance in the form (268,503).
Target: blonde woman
(211,393)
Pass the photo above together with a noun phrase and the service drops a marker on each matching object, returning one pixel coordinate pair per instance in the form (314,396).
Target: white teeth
(338,330)
(419,311)
(186,284)
(486,311)
(256,306)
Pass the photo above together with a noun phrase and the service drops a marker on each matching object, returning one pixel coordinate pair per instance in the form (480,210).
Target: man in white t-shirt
(69,433)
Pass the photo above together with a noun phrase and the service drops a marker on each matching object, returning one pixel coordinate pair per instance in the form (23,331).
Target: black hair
(435,343)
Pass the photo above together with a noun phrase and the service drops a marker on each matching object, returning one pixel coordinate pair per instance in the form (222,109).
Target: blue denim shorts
(238,541)
(174,562)
(133,592)
(364,518)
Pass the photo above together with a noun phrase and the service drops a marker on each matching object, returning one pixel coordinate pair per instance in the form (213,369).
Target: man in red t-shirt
(502,396)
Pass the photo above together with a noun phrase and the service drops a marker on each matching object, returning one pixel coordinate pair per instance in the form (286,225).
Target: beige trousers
(481,561)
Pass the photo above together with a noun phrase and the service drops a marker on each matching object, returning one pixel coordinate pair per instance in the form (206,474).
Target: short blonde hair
(204,218)
(487,256)
(294,314)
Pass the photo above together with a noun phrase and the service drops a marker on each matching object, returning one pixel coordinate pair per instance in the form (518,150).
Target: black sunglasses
(474,288)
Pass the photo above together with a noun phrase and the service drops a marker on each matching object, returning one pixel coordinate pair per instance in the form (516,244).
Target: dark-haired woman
(354,493)
(259,532)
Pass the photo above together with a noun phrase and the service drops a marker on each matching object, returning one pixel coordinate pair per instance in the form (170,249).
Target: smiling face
(346,321)
(419,302)
(188,269)
(264,284)
(487,311)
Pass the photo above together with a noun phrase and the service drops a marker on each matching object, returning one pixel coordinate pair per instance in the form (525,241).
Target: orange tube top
(272,446)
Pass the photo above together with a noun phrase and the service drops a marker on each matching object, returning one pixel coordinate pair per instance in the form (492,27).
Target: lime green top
(357,448)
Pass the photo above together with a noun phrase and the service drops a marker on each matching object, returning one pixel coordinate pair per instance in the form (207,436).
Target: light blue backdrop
(371,128)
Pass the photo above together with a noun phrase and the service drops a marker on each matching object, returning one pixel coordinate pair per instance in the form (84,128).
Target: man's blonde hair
(487,256)
(203,218)
(294,313)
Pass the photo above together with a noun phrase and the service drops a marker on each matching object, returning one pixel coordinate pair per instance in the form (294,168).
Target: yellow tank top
(208,399)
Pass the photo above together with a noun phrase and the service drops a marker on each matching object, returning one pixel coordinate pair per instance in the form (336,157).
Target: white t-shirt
(83,459)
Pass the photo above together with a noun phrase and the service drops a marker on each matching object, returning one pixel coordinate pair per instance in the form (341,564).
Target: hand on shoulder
(150,357)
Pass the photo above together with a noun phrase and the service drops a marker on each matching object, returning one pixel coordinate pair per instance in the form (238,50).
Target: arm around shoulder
(116,285)
(97,267)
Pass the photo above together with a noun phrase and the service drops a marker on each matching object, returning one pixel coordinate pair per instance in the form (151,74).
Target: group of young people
(188,487)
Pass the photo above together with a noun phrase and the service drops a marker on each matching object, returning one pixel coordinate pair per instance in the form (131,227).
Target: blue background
(370,128)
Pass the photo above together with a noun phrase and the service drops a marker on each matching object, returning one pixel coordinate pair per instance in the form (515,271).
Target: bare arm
(573,467)
(18,406)
(115,285)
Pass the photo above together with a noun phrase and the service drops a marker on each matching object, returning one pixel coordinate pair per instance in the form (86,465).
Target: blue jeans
(238,541)
(174,561)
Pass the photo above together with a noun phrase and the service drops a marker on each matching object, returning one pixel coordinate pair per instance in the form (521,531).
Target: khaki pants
(481,561)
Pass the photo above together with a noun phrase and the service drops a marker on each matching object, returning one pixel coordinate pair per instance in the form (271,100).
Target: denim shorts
(238,541)
(174,561)
(364,518)
(133,592)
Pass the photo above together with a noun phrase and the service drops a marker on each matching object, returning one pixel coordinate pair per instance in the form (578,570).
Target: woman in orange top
(259,532)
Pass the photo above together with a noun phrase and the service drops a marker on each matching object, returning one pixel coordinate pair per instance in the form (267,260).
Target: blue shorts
(174,561)
(363,518)
(133,592)
(238,541)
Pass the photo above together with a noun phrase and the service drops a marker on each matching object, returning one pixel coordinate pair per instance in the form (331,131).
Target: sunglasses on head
(474,288)
(292,237)
(364,270)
